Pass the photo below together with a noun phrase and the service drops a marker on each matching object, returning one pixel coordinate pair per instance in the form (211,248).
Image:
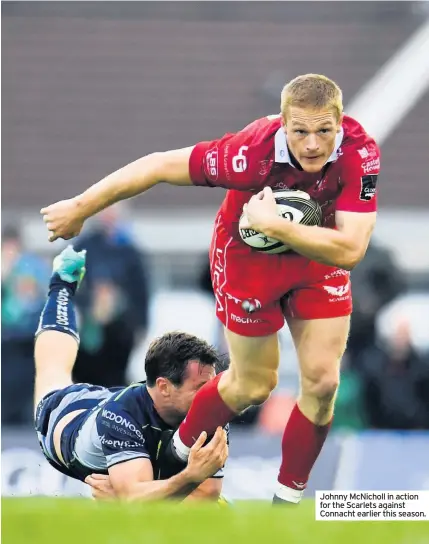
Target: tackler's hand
(101,488)
(205,461)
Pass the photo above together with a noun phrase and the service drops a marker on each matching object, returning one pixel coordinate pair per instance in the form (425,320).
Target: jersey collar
(282,154)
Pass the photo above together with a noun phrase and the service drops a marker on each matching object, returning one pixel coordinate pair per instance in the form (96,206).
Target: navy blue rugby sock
(59,311)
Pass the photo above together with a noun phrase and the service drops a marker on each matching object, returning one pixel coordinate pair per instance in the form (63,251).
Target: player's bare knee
(257,395)
(248,390)
(322,385)
(258,391)
(246,385)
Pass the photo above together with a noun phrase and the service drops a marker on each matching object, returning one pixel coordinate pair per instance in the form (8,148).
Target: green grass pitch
(79,521)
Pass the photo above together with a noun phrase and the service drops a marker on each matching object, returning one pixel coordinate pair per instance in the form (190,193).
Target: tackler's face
(311,136)
(182,396)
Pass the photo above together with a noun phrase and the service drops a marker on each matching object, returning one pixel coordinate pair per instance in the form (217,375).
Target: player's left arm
(344,247)
(355,217)
(102,489)
(210,489)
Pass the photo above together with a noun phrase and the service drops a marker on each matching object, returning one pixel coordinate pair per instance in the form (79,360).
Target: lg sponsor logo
(239,162)
(120,420)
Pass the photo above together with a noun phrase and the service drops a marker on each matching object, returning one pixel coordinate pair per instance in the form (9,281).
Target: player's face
(311,136)
(196,377)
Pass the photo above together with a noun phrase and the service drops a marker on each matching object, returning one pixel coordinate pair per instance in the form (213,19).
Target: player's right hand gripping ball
(292,205)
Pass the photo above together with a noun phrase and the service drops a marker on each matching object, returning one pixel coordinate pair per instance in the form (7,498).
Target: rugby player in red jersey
(311,146)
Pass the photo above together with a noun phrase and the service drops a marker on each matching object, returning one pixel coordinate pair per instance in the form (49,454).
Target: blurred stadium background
(90,86)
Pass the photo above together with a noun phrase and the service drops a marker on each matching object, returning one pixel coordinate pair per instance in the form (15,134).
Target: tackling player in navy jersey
(113,438)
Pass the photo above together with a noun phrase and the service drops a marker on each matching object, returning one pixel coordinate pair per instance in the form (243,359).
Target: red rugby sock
(301,445)
(208,411)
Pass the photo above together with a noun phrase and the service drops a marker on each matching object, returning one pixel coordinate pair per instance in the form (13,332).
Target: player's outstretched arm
(102,489)
(133,480)
(65,219)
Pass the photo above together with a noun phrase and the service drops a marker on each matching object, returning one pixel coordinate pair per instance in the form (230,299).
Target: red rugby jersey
(258,156)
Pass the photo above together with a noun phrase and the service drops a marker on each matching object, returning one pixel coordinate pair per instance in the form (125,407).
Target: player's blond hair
(312,91)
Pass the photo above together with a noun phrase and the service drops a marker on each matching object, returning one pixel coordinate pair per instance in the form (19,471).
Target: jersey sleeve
(233,162)
(359,177)
(120,435)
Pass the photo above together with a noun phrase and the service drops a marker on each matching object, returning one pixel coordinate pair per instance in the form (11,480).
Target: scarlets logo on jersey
(367,152)
(212,165)
(337,291)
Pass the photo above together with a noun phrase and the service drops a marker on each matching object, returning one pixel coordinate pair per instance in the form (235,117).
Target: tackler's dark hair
(168,357)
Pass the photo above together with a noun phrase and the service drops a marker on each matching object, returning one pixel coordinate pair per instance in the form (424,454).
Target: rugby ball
(296,206)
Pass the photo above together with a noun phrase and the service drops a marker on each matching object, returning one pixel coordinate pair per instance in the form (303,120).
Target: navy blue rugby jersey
(123,426)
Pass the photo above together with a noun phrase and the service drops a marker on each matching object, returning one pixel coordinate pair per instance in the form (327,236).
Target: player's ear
(163,386)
